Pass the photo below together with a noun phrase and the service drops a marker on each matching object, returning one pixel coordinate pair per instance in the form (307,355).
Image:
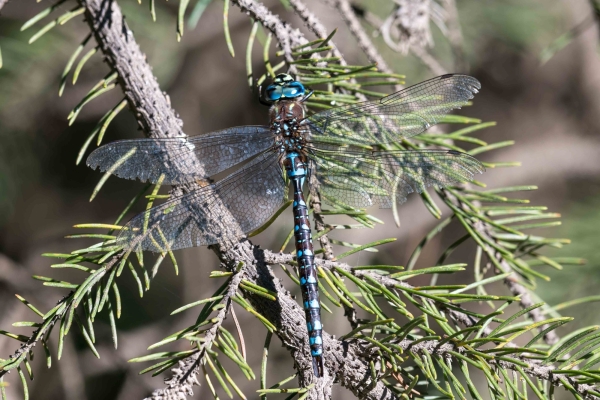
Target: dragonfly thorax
(287,125)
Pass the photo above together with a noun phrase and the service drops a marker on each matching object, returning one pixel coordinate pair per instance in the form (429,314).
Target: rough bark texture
(151,106)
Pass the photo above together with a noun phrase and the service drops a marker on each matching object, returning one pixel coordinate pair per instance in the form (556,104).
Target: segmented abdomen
(296,171)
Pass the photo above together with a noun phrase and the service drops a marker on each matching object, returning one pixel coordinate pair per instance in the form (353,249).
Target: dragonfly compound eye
(273,92)
(293,89)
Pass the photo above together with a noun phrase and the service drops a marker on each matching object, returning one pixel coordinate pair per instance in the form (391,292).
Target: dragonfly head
(284,87)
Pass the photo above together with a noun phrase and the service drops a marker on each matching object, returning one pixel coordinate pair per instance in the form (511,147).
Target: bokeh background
(549,107)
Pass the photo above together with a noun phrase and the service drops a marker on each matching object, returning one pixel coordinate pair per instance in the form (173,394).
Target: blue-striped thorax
(287,114)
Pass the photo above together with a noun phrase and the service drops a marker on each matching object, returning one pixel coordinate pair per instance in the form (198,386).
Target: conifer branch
(446,350)
(315,26)
(534,368)
(363,40)
(350,16)
(151,106)
(286,36)
(315,204)
(273,258)
(512,281)
(64,307)
(184,377)
(345,363)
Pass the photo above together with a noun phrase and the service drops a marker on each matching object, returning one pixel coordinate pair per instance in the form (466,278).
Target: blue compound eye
(273,92)
(293,89)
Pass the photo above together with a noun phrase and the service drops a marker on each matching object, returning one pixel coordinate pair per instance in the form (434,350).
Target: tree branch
(465,319)
(345,364)
(184,377)
(512,281)
(364,42)
(48,324)
(315,26)
(432,347)
(418,51)
(151,106)
(286,36)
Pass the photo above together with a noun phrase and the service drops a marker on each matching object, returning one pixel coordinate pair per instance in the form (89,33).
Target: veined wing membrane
(235,205)
(181,160)
(395,117)
(362,179)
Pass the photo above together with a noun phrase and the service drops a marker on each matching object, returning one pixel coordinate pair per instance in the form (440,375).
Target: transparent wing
(235,205)
(181,160)
(362,179)
(395,117)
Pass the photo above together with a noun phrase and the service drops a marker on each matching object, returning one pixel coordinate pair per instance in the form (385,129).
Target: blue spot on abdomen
(315,340)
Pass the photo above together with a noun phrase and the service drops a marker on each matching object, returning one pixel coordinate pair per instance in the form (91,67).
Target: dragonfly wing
(361,179)
(395,117)
(181,160)
(235,205)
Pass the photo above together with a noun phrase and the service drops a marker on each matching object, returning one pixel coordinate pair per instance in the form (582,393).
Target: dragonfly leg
(302,100)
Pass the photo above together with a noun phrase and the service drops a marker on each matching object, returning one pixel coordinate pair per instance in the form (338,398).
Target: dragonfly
(350,152)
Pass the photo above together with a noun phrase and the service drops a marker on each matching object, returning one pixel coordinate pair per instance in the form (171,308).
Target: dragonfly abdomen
(296,171)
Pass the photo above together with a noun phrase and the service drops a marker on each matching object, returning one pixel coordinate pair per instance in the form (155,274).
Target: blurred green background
(550,109)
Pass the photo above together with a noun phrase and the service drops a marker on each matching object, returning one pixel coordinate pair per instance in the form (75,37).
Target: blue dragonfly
(347,151)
